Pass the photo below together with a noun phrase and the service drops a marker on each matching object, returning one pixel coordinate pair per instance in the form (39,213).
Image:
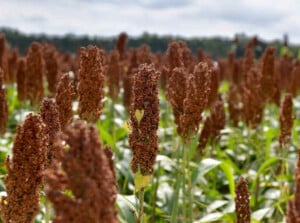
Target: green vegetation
(251,153)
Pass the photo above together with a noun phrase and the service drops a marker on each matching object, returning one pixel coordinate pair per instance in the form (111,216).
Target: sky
(269,19)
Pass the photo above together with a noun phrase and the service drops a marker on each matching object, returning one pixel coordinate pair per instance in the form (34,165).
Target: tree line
(215,46)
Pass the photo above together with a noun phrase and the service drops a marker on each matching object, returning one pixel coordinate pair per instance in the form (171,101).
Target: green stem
(47,211)
(174,217)
(184,184)
(187,186)
(112,122)
(155,196)
(141,206)
(125,183)
(256,193)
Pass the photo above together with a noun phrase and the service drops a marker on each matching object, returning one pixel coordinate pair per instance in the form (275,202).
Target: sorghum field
(136,136)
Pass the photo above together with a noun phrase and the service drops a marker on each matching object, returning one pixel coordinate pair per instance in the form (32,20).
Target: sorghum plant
(234,99)
(242,202)
(286,119)
(24,171)
(21,80)
(252,97)
(267,70)
(34,74)
(51,67)
(90,86)
(65,93)
(121,45)
(144,117)
(3,56)
(204,135)
(113,75)
(85,171)
(50,116)
(3,104)
(12,65)
(293,205)
(127,79)
(176,93)
(196,98)
(218,117)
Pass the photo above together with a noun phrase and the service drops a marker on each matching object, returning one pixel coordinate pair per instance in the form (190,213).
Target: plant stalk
(187,186)
(112,122)
(141,206)
(174,217)
(47,211)
(155,196)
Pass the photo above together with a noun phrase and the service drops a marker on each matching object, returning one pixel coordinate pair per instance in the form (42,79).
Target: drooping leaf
(210,217)
(141,181)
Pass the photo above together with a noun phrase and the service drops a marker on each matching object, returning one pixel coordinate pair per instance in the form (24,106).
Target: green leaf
(227,169)
(224,87)
(216,204)
(262,213)
(210,217)
(269,162)
(106,137)
(204,167)
(266,164)
(165,162)
(120,133)
(207,164)
(127,210)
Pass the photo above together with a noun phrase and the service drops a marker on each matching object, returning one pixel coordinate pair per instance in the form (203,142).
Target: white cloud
(269,19)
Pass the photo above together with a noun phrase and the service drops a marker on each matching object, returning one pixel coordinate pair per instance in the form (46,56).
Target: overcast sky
(269,19)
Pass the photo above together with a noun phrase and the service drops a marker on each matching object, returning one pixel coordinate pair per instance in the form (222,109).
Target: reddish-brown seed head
(242,202)
(297,188)
(144,117)
(12,63)
(50,116)
(267,70)
(2,50)
(144,54)
(121,45)
(113,75)
(51,67)
(34,74)
(91,82)
(286,119)
(230,64)
(252,97)
(174,56)
(290,212)
(248,61)
(24,171)
(234,100)
(21,80)
(86,173)
(4,56)
(176,93)
(65,93)
(3,104)
(214,86)
(218,117)
(205,135)
(196,98)
(293,205)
